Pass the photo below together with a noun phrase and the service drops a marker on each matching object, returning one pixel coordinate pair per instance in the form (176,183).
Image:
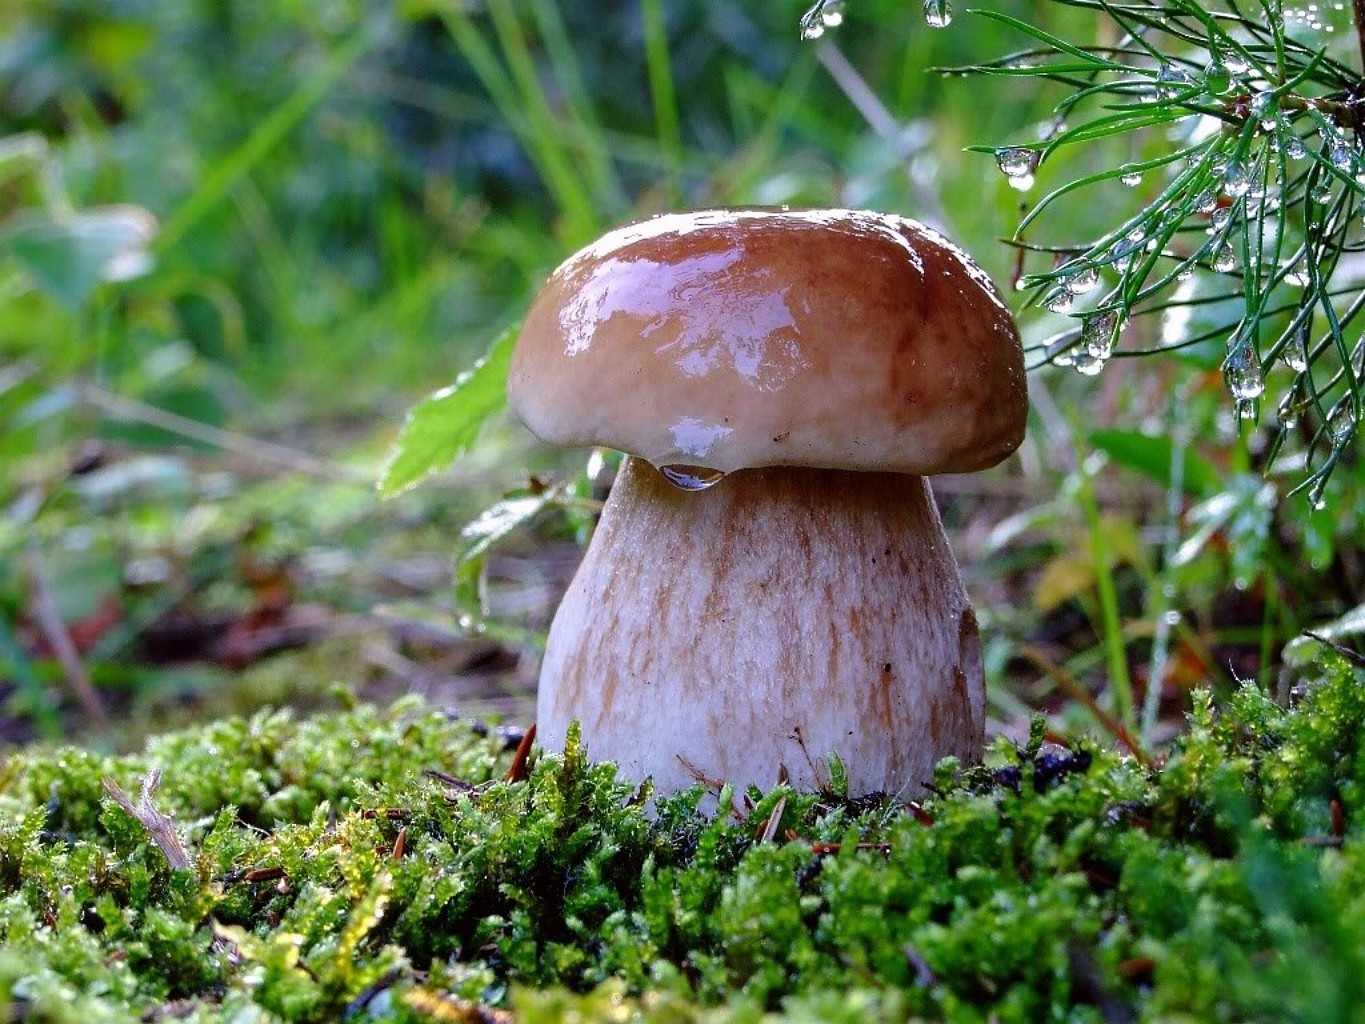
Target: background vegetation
(238,242)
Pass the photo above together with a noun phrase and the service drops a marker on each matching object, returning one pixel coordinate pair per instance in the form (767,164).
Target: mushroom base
(746,632)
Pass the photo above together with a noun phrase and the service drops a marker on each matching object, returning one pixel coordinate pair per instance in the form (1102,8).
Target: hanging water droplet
(1217,80)
(1296,350)
(1220,219)
(1098,333)
(1185,273)
(1224,260)
(1297,275)
(1125,249)
(1236,183)
(1131,178)
(1242,371)
(1205,201)
(1322,191)
(938,13)
(1342,155)
(1263,106)
(1087,364)
(1245,409)
(813,22)
(691,478)
(832,13)
(1083,281)
(1341,425)
(1294,147)
(1014,162)
(1059,301)
(1171,81)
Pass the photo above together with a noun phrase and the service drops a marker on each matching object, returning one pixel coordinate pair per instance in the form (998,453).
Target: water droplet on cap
(691,478)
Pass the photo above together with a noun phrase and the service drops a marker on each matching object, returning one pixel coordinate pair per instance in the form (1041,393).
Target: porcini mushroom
(770,582)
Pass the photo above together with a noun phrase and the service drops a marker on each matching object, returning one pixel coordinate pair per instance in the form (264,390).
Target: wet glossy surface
(743,337)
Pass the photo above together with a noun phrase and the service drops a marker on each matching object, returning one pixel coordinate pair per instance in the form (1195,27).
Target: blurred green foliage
(233,236)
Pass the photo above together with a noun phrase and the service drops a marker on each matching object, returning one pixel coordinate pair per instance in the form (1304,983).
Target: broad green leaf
(1151,456)
(441,427)
(69,257)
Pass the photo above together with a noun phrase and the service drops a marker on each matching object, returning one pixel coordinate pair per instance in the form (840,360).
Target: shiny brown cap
(734,339)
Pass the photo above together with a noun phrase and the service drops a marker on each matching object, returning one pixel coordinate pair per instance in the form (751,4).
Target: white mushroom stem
(746,632)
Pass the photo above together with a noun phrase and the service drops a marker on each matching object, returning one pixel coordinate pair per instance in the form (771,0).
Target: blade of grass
(264,138)
(582,114)
(581,218)
(1111,633)
(40,707)
(660,70)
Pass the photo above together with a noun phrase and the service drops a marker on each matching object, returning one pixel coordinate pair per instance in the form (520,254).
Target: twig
(59,639)
(518,770)
(160,827)
(1353,657)
(774,819)
(253,448)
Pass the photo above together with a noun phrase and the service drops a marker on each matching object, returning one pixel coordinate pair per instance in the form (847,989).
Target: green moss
(333,877)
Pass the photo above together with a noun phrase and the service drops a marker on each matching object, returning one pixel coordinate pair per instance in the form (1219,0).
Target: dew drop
(1236,183)
(1294,148)
(1263,106)
(938,13)
(1342,155)
(832,13)
(1083,281)
(1296,350)
(1217,79)
(1224,260)
(1171,81)
(1341,426)
(813,22)
(1087,364)
(1059,301)
(1098,334)
(1220,218)
(1242,371)
(691,478)
(1015,162)
(1205,201)
(1131,178)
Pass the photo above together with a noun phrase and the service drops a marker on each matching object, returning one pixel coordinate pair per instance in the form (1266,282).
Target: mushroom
(770,583)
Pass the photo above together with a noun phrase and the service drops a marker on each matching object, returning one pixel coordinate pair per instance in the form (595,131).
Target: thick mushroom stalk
(808,603)
(748,631)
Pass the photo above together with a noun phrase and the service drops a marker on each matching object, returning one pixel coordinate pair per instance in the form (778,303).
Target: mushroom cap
(735,339)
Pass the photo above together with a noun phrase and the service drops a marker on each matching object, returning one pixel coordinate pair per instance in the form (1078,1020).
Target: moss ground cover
(379,865)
